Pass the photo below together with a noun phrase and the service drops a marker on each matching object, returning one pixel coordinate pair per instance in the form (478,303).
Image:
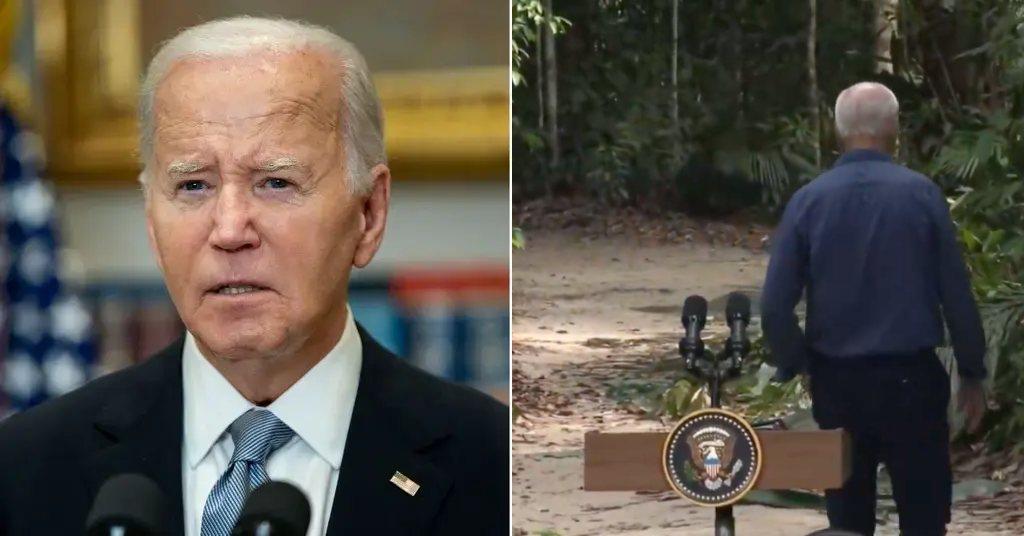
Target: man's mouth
(236,289)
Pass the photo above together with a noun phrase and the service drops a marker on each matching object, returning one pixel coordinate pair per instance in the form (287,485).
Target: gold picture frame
(439,124)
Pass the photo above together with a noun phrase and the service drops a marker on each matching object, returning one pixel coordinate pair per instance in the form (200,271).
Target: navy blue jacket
(875,247)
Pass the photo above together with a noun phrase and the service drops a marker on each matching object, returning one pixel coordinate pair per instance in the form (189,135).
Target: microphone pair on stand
(133,505)
(737,314)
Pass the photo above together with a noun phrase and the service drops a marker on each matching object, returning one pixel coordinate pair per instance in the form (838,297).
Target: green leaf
(518,238)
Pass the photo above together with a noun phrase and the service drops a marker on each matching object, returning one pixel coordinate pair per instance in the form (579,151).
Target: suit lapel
(383,439)
(391,431)
(141,430)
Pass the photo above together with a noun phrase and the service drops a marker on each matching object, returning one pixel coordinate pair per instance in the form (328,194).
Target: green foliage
(752,391)
(776,400)
(979,157)
(990,217)
(739,65)
(684,397)
(1003,315)
(528,17)
(518,238)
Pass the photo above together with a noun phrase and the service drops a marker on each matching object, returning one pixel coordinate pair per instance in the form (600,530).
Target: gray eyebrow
(183,167)
(277,164)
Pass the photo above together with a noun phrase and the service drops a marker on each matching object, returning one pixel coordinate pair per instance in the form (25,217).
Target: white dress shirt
(318,408)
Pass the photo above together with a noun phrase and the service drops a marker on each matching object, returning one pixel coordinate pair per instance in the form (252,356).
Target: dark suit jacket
(451,440)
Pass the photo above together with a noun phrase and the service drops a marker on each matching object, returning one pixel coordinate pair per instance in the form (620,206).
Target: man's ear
(374,216)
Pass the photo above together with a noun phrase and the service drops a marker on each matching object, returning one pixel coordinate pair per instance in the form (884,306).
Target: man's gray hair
(361,119)
(867,109)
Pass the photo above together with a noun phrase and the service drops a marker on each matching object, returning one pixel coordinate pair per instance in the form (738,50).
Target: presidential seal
(712,457)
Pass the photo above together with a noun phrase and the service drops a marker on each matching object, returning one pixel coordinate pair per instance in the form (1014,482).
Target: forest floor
(594,305)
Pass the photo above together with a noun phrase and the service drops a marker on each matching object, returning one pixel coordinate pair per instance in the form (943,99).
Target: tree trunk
(539,60)
(551,87)
(885,23)
(741,82)
(938,42)
(674,105)
(812,76)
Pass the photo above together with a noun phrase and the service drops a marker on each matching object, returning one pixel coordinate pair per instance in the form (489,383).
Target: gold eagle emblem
(711,451)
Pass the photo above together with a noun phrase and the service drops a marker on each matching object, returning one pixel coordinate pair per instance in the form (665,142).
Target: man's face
(249,210)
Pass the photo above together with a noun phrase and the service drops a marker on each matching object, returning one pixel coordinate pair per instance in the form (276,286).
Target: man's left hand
(971,402)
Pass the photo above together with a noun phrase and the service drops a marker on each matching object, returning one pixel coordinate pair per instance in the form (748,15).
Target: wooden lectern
(818,459)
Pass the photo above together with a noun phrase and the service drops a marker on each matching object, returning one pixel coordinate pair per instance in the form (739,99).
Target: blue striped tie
(256,434)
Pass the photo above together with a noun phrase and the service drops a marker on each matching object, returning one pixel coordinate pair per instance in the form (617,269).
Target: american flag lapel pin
(404,483)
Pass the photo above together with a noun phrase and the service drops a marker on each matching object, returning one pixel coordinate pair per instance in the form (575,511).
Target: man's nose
(233,214)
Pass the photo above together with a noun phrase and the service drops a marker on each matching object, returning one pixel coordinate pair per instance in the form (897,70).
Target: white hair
(361,120)
(867,109)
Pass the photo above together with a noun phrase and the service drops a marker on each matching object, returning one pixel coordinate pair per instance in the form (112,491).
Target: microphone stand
(714,372)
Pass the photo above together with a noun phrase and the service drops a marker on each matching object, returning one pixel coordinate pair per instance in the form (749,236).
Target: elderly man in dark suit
(873,244)
(266,182)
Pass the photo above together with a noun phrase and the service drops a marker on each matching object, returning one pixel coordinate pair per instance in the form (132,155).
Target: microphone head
(738,307)
(281,504)
(131,501)
(695,306)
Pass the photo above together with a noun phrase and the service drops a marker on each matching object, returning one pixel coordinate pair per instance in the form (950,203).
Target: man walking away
(873,244)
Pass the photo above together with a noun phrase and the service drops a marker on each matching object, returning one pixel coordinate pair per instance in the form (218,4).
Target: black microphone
(128,505)
(274,509)
(737,314)
(695,314)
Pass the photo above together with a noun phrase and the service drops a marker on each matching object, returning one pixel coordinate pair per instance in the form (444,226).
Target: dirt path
(590,317)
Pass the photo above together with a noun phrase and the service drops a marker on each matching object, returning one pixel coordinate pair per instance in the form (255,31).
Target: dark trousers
(894,407)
